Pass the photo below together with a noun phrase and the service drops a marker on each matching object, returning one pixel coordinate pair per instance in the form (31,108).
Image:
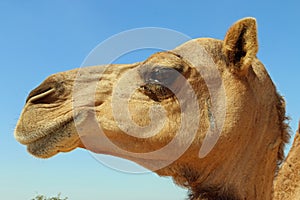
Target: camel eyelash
(158,81)
(156,92)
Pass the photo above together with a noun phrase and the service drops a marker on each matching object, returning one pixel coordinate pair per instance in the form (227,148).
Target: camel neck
(288,180)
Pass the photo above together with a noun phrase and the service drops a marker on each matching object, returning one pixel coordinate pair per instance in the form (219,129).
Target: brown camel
(287,183)
(231,140)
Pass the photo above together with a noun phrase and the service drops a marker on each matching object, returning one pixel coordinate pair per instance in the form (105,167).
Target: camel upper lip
(29,140)
(32,137)
(26,140)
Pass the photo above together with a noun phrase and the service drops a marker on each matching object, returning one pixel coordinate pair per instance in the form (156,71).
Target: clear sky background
(39,38)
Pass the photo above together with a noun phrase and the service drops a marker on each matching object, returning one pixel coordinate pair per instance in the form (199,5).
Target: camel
(232,139)
(287,183)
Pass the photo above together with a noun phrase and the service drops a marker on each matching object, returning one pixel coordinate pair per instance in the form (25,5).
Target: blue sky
(39,38)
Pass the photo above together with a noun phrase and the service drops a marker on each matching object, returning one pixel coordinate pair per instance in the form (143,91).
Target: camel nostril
(39,95)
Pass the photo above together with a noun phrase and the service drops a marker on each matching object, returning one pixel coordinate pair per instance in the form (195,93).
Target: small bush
(42,197)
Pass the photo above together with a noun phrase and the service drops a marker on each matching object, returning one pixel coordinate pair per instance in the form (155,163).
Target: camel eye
(162,76)
(159,82)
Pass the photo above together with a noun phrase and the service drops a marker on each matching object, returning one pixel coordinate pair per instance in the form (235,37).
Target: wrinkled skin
(60,115)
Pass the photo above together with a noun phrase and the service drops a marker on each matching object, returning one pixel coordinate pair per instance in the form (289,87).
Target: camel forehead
(206,51)
(211,46)
(203,49)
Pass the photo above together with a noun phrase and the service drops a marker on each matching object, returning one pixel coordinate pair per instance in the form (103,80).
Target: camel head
(205,113)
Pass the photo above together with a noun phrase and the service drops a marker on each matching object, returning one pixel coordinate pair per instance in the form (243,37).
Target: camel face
(60,114)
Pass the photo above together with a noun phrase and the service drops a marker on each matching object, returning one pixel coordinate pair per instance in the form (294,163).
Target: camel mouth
(53,141)
(26,137)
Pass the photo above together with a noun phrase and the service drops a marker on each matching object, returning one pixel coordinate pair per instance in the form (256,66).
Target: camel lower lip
(38,150)
(52,144)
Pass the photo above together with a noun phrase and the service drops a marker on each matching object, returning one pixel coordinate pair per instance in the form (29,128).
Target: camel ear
(240,45)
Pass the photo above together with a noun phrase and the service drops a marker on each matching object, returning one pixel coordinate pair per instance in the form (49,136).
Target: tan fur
(287,184)
(242,164)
